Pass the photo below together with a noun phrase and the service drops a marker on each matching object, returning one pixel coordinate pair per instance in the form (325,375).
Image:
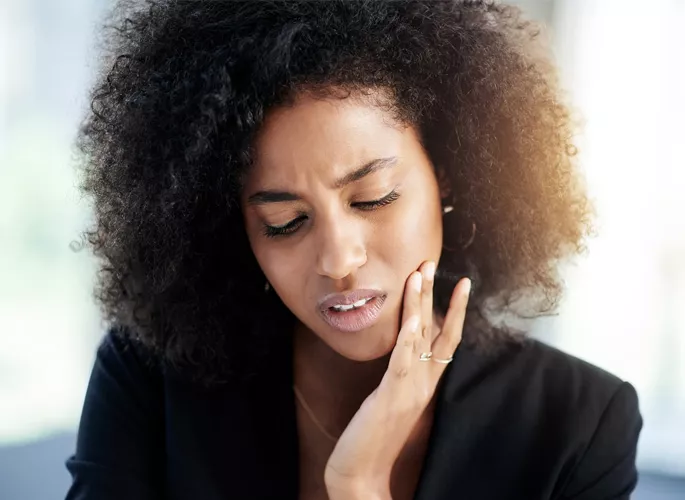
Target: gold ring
(426,356)
(444,361)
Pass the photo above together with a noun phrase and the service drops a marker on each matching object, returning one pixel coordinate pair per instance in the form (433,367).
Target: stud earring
(267,287)
(447,209)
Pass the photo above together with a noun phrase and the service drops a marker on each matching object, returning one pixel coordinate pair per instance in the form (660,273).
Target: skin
(354,382)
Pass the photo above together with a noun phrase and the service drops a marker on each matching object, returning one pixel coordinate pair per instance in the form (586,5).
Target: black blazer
(527,423)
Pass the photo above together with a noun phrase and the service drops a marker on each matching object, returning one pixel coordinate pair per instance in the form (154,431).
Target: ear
(443,183)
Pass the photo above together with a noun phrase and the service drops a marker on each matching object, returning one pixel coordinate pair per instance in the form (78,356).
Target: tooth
(357,304)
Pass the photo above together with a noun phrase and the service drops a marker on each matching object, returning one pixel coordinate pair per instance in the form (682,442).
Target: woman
(275,183)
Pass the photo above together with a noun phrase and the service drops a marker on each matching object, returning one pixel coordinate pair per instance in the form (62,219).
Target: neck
(334,386)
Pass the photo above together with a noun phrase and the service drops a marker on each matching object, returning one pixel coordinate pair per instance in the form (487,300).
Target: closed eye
(293,225)
(285,229)
(371,205)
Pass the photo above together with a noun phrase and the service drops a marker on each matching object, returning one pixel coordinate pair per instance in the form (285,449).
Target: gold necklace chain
(313,418)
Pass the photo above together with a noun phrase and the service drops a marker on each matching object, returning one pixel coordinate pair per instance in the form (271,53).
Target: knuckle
(402,372)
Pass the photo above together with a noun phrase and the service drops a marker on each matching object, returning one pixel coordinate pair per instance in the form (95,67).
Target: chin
(366,356)
(363,351)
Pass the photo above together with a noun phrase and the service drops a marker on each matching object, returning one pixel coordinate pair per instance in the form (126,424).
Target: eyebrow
(274,196)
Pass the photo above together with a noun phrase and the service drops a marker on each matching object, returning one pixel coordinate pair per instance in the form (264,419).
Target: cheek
(413,235)
(284,268)
(275,263)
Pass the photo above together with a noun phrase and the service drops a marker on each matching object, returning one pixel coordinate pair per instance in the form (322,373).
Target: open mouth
(356,316)
(356,305)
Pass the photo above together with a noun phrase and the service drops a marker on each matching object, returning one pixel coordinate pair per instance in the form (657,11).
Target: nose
(342,249)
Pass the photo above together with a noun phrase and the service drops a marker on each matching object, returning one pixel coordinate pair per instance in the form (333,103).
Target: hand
(363,457)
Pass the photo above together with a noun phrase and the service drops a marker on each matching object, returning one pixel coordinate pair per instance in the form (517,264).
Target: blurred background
(623,65)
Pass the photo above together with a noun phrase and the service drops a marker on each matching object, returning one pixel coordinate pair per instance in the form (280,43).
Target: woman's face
(341,206)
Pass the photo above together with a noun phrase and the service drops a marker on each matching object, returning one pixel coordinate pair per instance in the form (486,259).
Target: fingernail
(429,270)
(467,287)
(416,282)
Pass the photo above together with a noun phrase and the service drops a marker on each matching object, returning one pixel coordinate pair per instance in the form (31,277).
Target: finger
(428,273)
(402,355)
(412,302)
(450,336)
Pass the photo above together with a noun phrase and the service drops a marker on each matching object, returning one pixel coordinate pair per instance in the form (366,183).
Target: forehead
(325,137)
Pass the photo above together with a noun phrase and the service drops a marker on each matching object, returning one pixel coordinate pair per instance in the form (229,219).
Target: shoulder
(124,364)
(534,370)
(552,412)
(119,350)
(545,382)
(119,437)
(568,380)
(606,422)
(594,402)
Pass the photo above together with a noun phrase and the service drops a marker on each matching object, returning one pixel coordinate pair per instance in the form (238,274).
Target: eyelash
(294,225)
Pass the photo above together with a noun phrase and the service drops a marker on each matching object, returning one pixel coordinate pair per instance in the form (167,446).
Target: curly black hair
(184,89)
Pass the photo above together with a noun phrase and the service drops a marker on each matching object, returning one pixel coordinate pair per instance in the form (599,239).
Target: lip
(356,319)
(346,299)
